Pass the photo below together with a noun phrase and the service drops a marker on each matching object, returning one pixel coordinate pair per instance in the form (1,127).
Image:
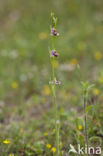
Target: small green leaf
(78,66)
(83,84)
(88,108)
(91,86)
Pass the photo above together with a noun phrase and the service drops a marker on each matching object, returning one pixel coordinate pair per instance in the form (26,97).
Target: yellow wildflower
(11,154)
(74,62)
(95,91)
(6,141)
(100,80)
(45,134)
(98,56)
(43,35)
(14,85)
(48,145)
(53,149)
(46,90)
(79,127)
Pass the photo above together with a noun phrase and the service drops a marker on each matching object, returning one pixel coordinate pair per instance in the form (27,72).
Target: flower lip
(56,82)
(54,32)
(54,53)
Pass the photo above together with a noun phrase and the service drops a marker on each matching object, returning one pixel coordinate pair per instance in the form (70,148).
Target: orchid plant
(54,54)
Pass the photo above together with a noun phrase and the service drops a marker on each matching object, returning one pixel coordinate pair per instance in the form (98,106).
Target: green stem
(54,99)
(53,42)
(85,120)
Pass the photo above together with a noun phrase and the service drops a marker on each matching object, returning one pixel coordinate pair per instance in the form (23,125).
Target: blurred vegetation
(26,111)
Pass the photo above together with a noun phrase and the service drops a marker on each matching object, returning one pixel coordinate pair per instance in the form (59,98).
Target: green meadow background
(26,106)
